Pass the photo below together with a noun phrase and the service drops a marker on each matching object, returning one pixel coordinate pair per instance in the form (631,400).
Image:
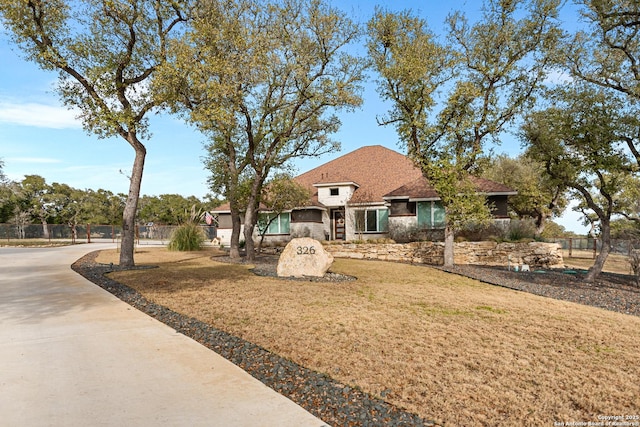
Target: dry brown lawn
(616,263)
(445,347)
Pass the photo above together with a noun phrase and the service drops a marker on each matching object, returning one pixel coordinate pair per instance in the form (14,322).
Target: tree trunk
(131,204)
(249,225)
(236,225)
(540,222)
(251,215)
(448,246)
(598,265)
(248,241)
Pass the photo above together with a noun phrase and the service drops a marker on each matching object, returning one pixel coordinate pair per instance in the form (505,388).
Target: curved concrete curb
(72,354)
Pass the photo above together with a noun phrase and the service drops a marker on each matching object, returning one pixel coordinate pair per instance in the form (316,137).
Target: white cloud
(31,160)
(38,115)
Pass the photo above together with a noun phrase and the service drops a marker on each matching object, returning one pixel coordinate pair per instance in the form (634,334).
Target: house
(363,195)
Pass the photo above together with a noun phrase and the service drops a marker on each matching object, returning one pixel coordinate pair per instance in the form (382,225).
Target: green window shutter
(285,220)
(424,214)
(383,220)
(274,227)
(262,221)
(438,214)
(372,220)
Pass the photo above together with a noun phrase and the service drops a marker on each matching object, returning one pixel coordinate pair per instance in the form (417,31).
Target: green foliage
(187,237)
(170,209)
(607,55)
(625,229)
(263,81)
(490,71)
(583,141)
(539,197)
(105,53)
(520,230)
(553,229)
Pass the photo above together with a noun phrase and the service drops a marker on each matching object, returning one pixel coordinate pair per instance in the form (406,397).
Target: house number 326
(305,250)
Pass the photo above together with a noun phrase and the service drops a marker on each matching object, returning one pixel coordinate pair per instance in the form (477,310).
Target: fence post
(88,233)
(570,246)
(595,247)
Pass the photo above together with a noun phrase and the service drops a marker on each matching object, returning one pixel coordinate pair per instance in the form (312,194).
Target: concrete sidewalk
(71,354)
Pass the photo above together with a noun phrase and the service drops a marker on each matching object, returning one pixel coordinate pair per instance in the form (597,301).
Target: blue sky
(40,136)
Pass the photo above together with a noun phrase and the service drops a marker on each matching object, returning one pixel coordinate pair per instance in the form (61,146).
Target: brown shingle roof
(376,171)
(421,189)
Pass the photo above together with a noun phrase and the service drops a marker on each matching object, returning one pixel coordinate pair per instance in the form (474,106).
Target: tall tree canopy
(580,140)
(608,55)
(488,72)
(539,197)
(264,80)
(105,52)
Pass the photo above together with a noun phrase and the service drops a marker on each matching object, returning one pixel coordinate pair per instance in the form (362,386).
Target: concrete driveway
(71,354)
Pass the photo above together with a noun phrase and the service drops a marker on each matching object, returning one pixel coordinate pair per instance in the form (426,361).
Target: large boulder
(304,257)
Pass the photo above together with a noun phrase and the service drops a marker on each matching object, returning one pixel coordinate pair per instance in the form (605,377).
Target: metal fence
(87,232)
(594,246)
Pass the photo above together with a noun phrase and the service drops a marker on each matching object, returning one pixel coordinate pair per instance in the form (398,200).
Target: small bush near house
(187,237)
(520,229)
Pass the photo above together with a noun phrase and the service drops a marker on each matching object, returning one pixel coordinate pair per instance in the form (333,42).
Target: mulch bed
(335,403)
(614,292)
(266,265)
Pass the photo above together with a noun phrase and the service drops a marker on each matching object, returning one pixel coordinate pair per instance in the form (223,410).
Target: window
(279,224)
(402,208)
(372,220)
(431,214)
(334,191)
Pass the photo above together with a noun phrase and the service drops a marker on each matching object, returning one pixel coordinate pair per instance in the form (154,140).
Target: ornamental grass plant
(187,237)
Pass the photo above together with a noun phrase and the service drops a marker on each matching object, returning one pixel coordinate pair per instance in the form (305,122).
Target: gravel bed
(266,265)
(335,403)
(614,292)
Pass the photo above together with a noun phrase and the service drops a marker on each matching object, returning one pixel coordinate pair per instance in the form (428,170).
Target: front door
(338,225)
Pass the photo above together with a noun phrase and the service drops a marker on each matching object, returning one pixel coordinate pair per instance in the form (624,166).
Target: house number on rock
(305,250)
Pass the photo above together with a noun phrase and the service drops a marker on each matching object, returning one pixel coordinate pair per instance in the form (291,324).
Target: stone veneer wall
(534,254)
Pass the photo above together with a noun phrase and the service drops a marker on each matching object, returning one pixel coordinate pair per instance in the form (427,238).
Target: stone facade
(534,254)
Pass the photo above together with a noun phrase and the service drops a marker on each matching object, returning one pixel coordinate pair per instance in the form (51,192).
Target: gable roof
(375,170)
(378,174)
(422,189)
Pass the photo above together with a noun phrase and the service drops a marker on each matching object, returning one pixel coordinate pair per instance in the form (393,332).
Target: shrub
(521,230)
(187,237)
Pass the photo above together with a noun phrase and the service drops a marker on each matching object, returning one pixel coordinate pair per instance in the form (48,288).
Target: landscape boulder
(304,257)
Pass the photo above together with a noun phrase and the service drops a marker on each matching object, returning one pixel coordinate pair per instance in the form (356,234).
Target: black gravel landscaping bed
(336,404)
(614,292)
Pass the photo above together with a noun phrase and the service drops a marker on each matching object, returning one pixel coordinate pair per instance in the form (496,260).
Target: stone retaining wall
(534,254)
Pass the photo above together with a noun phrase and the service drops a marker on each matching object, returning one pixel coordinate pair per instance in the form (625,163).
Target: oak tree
(539,197)
(264,79)
(487,74)
(105,52)
(580,140)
